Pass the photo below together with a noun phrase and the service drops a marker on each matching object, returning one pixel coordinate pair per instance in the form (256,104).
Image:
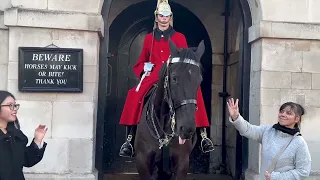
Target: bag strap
(275,159)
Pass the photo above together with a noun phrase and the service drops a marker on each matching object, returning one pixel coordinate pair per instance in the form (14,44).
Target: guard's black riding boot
(206,143)
(126,149)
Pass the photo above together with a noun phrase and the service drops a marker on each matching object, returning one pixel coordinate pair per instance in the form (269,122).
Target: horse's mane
(188,53)
(162,72)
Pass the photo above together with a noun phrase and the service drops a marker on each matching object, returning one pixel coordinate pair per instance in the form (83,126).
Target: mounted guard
(156,52)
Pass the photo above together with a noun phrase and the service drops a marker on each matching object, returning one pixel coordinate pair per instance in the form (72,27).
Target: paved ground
(190,177)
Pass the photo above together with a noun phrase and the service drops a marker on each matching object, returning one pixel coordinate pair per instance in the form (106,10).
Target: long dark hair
(3,96)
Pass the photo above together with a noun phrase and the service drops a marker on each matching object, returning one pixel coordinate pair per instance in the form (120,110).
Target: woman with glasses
(14,152)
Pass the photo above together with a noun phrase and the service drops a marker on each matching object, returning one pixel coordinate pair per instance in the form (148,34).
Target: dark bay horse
(166,133)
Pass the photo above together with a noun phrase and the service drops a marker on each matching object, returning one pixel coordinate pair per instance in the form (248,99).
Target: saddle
(149,93)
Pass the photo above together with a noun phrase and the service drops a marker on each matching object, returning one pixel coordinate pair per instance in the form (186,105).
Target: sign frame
(22,71)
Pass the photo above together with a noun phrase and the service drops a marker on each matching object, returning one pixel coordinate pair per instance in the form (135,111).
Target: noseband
(173,106)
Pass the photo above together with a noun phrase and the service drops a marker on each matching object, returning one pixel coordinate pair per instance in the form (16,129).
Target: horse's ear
(200,50)
(173,49)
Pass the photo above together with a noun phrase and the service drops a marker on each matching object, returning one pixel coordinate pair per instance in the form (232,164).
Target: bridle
(173,106)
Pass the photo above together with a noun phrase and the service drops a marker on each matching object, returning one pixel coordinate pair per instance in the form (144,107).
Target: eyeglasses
(13,107)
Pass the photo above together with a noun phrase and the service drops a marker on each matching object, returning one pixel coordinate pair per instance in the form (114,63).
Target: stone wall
(4,57)
(302,11)
(4,35)
(288,71)
(285,47)
(70,117)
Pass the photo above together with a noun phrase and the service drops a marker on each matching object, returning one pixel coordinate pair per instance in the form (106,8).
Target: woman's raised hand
(39,133)
(233,108)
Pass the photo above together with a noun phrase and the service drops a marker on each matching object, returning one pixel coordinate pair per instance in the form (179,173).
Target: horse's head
(183,79)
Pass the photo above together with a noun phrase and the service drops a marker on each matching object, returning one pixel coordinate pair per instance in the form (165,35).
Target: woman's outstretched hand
(267,175)
(233,108)
(39,133)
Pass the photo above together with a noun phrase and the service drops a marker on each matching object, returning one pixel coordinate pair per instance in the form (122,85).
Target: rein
(173,106)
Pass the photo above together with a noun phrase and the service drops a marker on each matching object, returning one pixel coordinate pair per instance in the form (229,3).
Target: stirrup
(127,143)
(205,138)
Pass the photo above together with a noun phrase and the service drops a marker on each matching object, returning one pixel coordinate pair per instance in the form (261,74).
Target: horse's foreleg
(181,168)
(145,166)
(180,158)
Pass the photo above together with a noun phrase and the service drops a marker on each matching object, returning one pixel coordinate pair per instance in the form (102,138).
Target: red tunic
(134,103)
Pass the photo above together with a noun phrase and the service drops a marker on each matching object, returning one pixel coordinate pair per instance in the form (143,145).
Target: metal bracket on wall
(109,83)
(110,55)
(224,94)
(52,46)
(109,76)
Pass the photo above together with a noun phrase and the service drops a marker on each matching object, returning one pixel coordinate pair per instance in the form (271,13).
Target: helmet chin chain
(162,23)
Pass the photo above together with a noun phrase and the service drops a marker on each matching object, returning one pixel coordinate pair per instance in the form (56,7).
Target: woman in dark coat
(14,152)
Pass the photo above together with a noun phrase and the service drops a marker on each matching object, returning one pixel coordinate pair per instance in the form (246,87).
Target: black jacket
(14,155)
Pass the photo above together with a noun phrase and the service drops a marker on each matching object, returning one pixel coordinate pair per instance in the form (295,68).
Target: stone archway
(244,65)
(126,39)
